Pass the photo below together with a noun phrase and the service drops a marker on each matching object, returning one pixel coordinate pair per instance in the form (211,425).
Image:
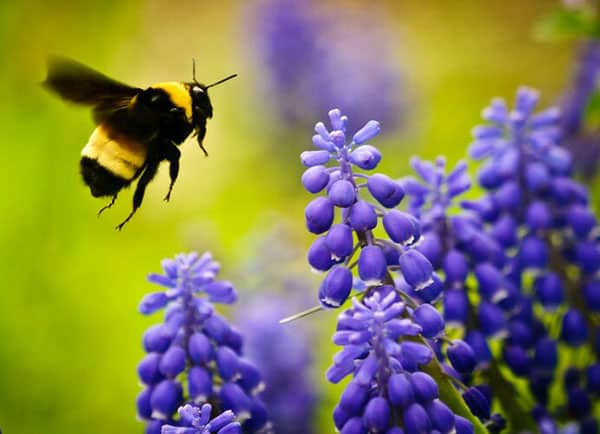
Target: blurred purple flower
(311,62)
(584,143)
(282,352)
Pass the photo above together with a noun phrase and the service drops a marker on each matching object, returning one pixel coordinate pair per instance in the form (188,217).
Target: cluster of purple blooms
(196,347)
(457,316)
(390,331)
(542,219)
(512,277)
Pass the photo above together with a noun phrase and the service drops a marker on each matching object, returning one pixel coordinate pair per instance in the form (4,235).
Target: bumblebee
(136,129)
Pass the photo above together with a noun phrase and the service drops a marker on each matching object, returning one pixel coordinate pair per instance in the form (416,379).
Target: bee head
(199,92)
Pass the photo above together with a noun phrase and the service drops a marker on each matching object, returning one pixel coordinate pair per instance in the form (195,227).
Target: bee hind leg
(172,155)
(112,202)
(138,196)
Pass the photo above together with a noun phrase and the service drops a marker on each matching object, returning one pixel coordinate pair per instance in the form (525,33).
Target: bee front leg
(172,154)
(138,196)
(201,130)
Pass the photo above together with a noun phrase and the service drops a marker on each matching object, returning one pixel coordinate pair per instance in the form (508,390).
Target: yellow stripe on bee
(179,95)
(119,155)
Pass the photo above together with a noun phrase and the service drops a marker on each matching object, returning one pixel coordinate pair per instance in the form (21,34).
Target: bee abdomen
(110,163)
(100,180)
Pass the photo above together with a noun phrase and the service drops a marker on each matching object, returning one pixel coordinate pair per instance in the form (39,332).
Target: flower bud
(315,179)
(386,191)
(574,329)
(581,220)
(456,307)
(461,356)
(415,419)
(424,387)
(166,397)
(227,363)
(200,384)
(367,132)
(362,216)
(442,418)
(401,227)
(376,417)
(477,403)
(314,158)
(416,269)
(430,320)
(549,290)
(148,369)
(339,241)
(142,403)
(172,362)
(342,193)
(366,157)
(319,215)
(336,287)
(200,348)
(400,390)
(591,293)
(319,255)
(372,265)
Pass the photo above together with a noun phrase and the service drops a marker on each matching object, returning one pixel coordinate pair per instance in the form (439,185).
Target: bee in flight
(136,128)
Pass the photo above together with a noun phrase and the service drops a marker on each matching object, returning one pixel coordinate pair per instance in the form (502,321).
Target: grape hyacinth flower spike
(197,347)
(386,333)
(362,201)
(543,219)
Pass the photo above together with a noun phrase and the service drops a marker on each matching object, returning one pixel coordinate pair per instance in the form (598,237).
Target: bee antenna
(229,77)
(194,70)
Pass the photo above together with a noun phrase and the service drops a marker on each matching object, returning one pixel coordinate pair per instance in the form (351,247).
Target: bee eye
(197,90)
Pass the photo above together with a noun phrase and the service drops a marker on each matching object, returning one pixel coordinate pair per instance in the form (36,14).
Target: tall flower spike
(362,200)
(385,341)
(542,217)
(197,347)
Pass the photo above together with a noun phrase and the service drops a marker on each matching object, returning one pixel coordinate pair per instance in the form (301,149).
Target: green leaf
(565,24)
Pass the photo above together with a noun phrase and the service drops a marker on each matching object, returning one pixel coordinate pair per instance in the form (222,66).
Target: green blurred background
(70,284)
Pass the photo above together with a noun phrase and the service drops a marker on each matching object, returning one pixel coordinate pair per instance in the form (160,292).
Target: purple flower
(195,420)
(195,346)
(386,367)
(304,46)
(360,210)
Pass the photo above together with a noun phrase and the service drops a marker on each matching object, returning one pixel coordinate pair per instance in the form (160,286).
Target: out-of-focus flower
(283,353)
(542,217)
(582,140)
(307,47)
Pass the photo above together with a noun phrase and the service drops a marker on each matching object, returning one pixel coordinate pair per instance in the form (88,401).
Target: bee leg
(138,196)
(112,202)
(201,130)
(172,155)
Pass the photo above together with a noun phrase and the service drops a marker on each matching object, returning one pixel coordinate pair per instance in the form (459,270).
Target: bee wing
(81,84)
